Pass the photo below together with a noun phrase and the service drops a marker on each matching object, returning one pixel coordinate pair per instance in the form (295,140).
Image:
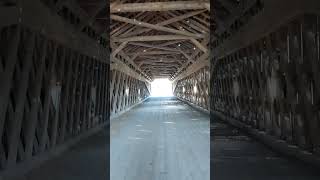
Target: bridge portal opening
(161,88)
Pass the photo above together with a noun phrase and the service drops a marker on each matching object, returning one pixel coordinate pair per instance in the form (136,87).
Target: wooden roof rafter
(164,37)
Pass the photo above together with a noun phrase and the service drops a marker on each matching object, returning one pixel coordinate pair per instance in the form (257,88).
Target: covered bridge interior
(245,77)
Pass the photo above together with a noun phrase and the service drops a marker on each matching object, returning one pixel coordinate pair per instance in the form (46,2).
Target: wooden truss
(161,39)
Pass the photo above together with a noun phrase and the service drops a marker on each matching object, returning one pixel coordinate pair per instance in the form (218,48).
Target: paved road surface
(163,139)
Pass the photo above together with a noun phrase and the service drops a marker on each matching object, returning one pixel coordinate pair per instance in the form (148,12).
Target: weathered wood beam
(151,38)
(152,26)
(180,18)
(130,61)
(152,46)
(116,51)
(146,17)
(162,64)
(120,66)
(155,53)
(200,63)
(122,28)
(166,22)
(171,43)
(159,6)
(205,55)
(186,55)
(199,45)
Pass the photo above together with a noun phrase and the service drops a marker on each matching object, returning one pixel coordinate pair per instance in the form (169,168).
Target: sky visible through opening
(161,88)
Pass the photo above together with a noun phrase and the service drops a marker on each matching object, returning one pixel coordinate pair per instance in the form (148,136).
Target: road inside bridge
(162,139)
(165,139)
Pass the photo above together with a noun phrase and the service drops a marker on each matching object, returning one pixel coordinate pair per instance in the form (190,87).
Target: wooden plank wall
(49,94)
(272,85)
(125,91)
(195,88)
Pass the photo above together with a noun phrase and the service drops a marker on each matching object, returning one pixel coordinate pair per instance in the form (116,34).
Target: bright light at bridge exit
(161,88)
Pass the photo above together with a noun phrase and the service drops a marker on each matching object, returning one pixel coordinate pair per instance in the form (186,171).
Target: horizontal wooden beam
(160,6)
(151,38)
(155,53)
(152,46)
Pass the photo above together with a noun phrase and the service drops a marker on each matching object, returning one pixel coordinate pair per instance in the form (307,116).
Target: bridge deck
(161,139)
(165,139)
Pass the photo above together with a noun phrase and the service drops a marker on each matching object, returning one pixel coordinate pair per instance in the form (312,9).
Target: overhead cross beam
(156,53)
(169,21)
(151,38)
(159,6)
(152,46)
(152,26)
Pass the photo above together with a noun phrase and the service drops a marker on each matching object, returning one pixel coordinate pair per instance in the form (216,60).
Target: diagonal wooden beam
(146,17)
(186,55)
(129,61)
(116,51)
(203,61)
(159,6)
(126,26)
(180,18)
(152,26)
(199,45)
(166,22)
(204,56)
